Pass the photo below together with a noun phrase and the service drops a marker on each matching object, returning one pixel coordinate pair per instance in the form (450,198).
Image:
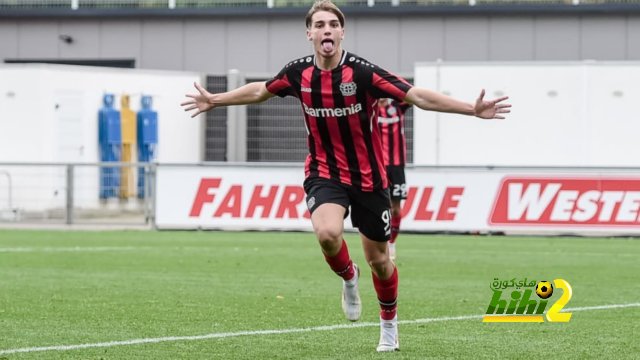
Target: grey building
(258,41)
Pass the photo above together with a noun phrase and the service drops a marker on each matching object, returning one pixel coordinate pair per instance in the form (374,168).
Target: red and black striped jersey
(391,122)
(340,109)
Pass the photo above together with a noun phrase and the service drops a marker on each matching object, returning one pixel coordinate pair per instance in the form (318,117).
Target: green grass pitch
(85,288)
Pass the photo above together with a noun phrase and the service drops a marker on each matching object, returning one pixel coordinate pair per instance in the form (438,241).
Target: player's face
(326,34)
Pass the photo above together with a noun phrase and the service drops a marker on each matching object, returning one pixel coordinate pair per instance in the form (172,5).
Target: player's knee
(329,236)
(379,262)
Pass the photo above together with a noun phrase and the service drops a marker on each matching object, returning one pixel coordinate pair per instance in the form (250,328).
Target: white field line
(66,249)
(271,332)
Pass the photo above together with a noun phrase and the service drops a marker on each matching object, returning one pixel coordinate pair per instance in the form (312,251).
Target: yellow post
(129,146)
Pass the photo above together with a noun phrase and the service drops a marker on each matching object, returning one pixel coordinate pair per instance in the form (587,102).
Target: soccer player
(344,170)
(394,150)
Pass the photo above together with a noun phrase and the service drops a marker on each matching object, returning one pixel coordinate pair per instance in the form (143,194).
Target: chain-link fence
(107,193)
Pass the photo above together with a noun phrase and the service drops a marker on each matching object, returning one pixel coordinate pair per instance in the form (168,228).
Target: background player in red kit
(394,150)
(339,94)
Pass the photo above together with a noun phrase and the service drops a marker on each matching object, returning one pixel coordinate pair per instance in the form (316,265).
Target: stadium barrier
(63,193)
(510,200)
(269,196)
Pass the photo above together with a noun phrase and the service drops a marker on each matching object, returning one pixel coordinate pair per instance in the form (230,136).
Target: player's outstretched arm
(433,101)
(251,93)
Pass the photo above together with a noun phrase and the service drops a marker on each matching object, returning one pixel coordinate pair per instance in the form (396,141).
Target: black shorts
(370,211)
(397,182)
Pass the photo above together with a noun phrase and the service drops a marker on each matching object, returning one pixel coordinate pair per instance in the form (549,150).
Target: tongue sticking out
(327,46)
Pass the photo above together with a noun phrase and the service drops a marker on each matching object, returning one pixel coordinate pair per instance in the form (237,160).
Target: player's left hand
(491,109)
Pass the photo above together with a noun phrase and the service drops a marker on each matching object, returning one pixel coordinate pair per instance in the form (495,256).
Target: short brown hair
(325,5)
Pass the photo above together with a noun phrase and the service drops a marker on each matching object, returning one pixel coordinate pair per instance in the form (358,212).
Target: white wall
(29,94)
(49,113)
(564,114)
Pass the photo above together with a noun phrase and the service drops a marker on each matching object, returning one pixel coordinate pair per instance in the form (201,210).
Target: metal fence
(100,193)
(274,130)
(178,4)
(215,133)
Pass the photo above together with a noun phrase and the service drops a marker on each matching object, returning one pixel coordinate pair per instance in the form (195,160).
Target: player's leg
(328,221)
(385,282)
(328,204)
(396,217)
(398,192)
(371,214)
